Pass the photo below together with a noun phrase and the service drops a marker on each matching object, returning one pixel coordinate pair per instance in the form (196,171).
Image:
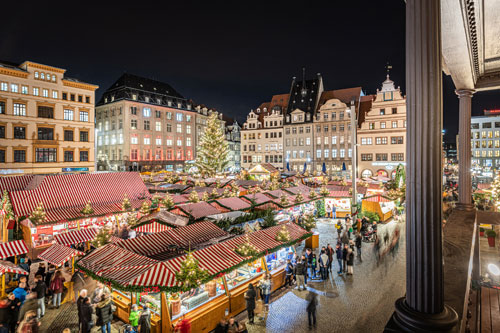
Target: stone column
(423,308)
(464,154)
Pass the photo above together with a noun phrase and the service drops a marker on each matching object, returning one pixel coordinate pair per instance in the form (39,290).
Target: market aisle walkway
(360,303)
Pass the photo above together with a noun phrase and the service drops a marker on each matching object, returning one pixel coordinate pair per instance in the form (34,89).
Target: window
(120,139)
(318,153)
(334,140)
(68,135)
(19,156)
(24,90)
(396,140)
(169,115)
(382,124)
(19,109)
(42,76)
(326,153)
(169,127)
(146,112)
(349,153)
(384,140)
(318,140)
(84,116)
(2,107)
(133,123)
(342,153)
(84,156)
(341,115)
(179,116)
(188,118)
(381,157)
(157,113)
(2,155)
(133,140)
(45,112)
(45,92)
(341,128)
(2,132)
(158,141)
(36,74)
(65,96)
(45,155)
(486,125)
(169,142)
(318,128)
(367,157)
(394,124)
(54,94)
(68,114)
(133,110)
(397,157)
(158,126)
(84,136)
(68,156)
(326,140)
(87,100)
(372,126)
(334,153)
(188,142)
(14,88)
(394,110)
(72,97)
(382,112)
(146,125)
(179,142)
(147,141)
(188,129)
(45,133)
(179,127)
(120,123)
(133,154)
(4,86)
(308,141)
(19,132)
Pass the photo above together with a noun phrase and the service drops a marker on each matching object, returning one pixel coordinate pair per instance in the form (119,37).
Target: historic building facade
(382,137)
(233,137)
(46,120)
(143,124)
(485,134)
(262,134)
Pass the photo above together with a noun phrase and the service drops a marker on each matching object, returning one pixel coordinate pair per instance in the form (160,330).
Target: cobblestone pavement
(362,302)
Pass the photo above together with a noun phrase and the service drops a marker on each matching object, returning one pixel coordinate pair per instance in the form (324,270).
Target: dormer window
(134,97)
(308,117)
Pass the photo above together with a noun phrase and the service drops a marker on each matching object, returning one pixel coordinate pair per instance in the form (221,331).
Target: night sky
(228,55)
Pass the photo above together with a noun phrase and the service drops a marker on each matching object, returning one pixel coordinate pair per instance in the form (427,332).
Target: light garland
(126,205)
(247,249)
(283,235)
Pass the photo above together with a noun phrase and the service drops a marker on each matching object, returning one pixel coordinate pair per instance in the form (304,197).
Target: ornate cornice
(13,72)
(80,85)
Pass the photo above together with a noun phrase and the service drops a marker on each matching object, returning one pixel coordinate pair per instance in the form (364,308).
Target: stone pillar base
(465,207)
(405,319)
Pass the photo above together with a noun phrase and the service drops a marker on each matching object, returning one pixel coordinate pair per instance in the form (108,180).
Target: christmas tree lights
(190,274)
(213,149)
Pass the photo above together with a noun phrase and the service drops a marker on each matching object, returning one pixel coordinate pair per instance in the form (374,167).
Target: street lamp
(352,112)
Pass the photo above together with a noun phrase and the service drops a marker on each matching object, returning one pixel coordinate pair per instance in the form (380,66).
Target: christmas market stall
(341,200)
(231,204)
(259,200)
(8,267)
(383,206)
(195,211)
(204,284)
(54,204)
(159,221)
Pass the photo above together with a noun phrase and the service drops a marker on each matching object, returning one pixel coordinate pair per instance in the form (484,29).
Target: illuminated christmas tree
(193,196)
(132,219)
(101,238)
(312,194)
(205,197)
(190,274)
(299,197)
(284,200)
(38,216)
(214,194)
(308,222)
(324,191)
(226,193)
(247,249)
(145,207)
(283,235)
(6,205)
(167,201)
(126,205)
(213,149)
(87,210)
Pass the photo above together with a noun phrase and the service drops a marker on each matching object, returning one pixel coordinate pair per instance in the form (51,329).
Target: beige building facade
(46,120)
(382,136)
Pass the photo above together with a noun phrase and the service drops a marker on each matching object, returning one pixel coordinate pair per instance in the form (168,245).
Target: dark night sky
(231,56)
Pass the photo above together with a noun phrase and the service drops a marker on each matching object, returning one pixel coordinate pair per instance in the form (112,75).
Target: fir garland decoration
(38,216)
(308,222)
(6,205)
(126,205)
(247,249)
(190,275)
(87,210)
(283,235)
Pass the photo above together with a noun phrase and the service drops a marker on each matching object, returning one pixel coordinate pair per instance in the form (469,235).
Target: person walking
(250,296)
(350,261)
(334,212)
(20,292)
(312,302)
(104,314)
(40,289)
(86,311)
(145,320)
(305,266)
(15,305)
(57,287)
(344,257)
(338,250)
(339,230)
(314,264)
(348,226)
(133,318)
(79,303)
(299,273)
(289,273)
(265,285)
(31,304)
(344,238)
(29,324)
(358,243)
(330,252)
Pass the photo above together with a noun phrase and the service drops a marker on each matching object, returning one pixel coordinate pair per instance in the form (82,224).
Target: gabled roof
(199,210)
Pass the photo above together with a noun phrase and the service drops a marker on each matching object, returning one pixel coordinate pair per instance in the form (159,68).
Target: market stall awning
(163,217)
(13,248)
(233,203)
(58,254)
(76,236)
(8,267)
(258,198)
(199,210)
(114,239)
(377,198)
(152,227)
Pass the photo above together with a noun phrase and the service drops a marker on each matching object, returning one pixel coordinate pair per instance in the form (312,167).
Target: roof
(13,248)
(233,203)
(58,254)
(8,267)
(344,95)
(152,227)
(377,198)
(76,236)
(199,210)
(259,198)
(307,102)
(64,196)
(164,217)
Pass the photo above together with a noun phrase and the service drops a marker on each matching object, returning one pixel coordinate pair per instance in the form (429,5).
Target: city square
(218,176)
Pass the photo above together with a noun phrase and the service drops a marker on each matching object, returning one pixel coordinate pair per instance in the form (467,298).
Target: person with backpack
(104,313)
(57,287)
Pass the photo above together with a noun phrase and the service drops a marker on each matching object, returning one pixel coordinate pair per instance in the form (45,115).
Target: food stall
(8,267)
(382,206)
(341,201)
(276,264)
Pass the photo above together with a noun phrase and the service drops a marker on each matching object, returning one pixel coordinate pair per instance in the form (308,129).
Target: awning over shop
(13,248)
(8,267)
(76,236)
(58,254)
(163,217)
(199,210)
(377,198)
(233,203)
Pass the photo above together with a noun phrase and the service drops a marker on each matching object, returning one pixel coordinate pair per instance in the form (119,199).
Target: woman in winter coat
(86,314)
(250,296)
(57,287)
(350,261)
(104,313)
(145,320)
(29,324)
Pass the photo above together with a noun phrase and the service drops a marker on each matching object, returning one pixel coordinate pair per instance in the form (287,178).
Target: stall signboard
(341,204)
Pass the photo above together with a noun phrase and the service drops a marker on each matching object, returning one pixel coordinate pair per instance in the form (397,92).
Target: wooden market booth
(382,206)
(8,250)
(143,272)
(8,267)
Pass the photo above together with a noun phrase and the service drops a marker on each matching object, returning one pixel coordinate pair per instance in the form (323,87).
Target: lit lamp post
(352,112)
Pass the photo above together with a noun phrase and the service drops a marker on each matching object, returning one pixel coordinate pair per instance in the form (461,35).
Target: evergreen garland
(190,274)
(6,205)
(213,149)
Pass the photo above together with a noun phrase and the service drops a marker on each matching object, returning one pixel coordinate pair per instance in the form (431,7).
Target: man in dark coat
(104,313)
(85,315)
(250,296)
(40,289)
(79,303)
(312,302)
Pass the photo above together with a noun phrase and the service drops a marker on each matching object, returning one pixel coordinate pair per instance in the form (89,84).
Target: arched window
(366,173)
(382,173)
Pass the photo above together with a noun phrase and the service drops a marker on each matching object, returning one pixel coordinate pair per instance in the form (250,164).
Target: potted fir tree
(491,234)
(481,231)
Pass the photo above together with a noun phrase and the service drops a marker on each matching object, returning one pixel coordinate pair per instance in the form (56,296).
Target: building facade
(262,134)
(233,137)
(46,120)
(382,137)
(485,134)
(143,124)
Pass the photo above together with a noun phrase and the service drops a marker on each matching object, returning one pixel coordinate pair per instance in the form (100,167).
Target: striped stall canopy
(76,236)
(233,203)
(301,188)
(13,248)
(152,227)
(276,193)
(112,255)
(15,183)
(64,196)
(8,267)
(58,254)
(124,274)
(198,233)
(150,245)
(157,275)
(114,239)
(377,198)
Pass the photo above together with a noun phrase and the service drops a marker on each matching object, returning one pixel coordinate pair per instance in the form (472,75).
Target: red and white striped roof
(199,210)
(259,198)
(152,227)
(76,236)
(377,198)
(8,267)
(64,196)
(13,248)
(114,239)
(58,254)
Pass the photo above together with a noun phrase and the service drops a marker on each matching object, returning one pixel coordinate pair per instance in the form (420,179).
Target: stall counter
(206,317)
(237,301)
